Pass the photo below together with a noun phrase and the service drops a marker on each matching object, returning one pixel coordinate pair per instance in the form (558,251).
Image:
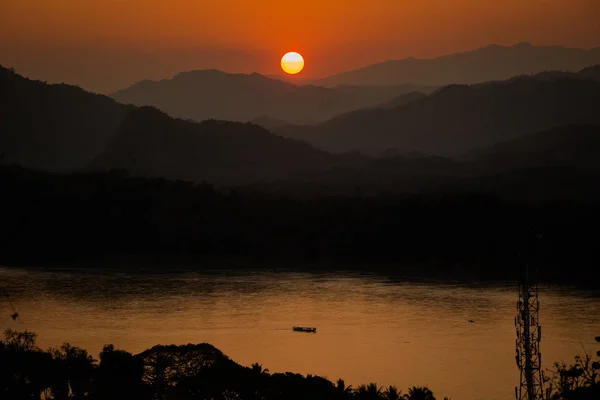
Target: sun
(292,63)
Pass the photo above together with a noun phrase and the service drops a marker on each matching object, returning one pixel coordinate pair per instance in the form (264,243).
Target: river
(370,328)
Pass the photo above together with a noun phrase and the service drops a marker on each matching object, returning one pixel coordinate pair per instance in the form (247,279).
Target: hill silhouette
(488,63)
(574,146)
(63,128)
(150,143)
(592,72)
(559,163)
(269,123)
(402,100)
(212,94)
(458,118)
(53,127)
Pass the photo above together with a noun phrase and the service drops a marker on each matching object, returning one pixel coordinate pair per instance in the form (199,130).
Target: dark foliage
(68,217)
(186,372)
(578,381)
(201,371)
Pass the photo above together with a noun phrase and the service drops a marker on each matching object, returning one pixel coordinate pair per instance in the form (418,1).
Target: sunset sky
(104,45)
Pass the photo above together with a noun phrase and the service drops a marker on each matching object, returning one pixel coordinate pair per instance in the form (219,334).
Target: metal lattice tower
(529,335)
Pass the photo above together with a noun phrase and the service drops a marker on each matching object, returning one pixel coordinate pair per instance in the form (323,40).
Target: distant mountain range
(61,128)
(212,94)
(458,118)
(484,64)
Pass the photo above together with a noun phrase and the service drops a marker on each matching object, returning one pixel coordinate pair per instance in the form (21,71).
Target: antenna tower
(529,335)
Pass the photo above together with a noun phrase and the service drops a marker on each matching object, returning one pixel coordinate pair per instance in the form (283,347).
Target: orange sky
(104,45)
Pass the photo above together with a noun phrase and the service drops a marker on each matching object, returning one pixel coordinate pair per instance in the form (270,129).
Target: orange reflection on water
(369,328)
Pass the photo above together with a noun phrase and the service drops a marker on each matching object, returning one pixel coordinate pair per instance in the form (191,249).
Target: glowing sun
(292,63)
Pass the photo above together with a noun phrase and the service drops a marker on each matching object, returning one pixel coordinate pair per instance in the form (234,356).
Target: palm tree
(419,393)
(368,392)
(392,393)
(259,370)
(342,391)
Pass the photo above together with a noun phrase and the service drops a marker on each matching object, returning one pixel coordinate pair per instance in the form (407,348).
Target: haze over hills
(150,143)
(575,146)
(273,123)
(200,95)
(53,127)
(269,123)
(56,121)
(550,164)
(402,100)
(62,128)
(488,63)
(458,118)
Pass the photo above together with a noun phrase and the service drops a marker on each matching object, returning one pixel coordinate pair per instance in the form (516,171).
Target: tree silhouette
(24,368)
(368,392)
(74,371)
(258,370)
(342,391)
(392,393)
(20,341)
(419,393)
(119,375)
(578,381)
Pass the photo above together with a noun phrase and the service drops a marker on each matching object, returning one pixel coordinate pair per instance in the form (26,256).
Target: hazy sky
(104,45)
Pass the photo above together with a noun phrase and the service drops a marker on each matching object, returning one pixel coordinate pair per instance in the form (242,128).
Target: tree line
(201,371)
(47,217)
(193,371)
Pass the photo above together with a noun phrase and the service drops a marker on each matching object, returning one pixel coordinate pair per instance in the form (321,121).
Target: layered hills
(459,118)
(206,94)
(488,63)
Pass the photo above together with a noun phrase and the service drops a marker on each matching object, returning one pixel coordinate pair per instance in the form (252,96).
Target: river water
(370,328)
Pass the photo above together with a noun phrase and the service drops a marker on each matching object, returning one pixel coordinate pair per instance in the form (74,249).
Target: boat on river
(304,329)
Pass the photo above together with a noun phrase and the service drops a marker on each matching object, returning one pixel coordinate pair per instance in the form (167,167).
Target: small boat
(304,329)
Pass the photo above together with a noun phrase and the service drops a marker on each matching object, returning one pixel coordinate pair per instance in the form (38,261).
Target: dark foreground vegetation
(200,371)
(62,218)
(192,371)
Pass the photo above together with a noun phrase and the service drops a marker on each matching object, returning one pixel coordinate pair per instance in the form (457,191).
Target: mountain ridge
(457,118)
(63,128)
(41,124)
(206,94)
(147,142)
(492,62)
